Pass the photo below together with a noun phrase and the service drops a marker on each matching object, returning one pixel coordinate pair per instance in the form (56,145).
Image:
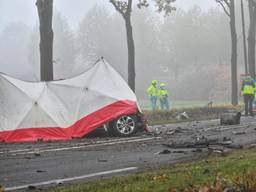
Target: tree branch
(223,6)
(227,3)
(118,8)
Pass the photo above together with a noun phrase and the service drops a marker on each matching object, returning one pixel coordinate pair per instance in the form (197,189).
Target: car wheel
(124,126)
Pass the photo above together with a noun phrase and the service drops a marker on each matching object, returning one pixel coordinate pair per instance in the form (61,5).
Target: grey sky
(74,10)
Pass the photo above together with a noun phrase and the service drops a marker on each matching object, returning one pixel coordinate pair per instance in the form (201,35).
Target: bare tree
(124,7)
(45,13)
(229,8)
(244,39)
(251,37)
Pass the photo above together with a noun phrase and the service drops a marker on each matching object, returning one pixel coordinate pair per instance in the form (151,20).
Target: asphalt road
(43,164)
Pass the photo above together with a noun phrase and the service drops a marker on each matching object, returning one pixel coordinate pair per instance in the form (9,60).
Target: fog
(189,50)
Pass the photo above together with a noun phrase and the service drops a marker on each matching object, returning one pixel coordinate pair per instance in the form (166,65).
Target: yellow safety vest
(248,90)
(163,92)
(152,91)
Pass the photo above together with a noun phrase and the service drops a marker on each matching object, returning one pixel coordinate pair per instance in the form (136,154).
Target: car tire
(124,126)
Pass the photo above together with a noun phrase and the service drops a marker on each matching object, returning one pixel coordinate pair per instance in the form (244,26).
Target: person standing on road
(163,96)
(153,93)
(247,91)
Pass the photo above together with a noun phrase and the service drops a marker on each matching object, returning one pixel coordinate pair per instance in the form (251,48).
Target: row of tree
(181,49)
(45,13)
(172,49)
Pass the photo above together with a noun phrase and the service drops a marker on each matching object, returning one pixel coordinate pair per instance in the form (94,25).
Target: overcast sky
(74,10)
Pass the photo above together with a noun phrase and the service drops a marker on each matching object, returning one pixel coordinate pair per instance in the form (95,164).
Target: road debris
(182,116)
(40,171)
(32,187)
(179,151)
(239,133)
(37,153)
(230,118)
(172,132)
(204,143)
(102,160)
(163,152)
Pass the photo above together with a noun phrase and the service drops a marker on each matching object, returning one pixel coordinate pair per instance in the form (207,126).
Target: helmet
(162,85)
(154,82)
(248,78)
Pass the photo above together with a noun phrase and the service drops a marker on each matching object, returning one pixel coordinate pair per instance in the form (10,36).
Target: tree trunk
(45,12)
(234,53)
(131,53)
(244,39)
(251,38)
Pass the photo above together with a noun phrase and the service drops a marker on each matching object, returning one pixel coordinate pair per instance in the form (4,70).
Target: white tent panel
(37,117)
(63,109)
(14,105)
(31,89)
(106,76)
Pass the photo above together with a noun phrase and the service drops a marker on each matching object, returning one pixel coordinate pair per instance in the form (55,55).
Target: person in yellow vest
(248,93)
(163,96)
(153,93)
(254,101)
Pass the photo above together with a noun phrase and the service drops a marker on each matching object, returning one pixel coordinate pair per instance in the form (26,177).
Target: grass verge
(195,114)
(236,171)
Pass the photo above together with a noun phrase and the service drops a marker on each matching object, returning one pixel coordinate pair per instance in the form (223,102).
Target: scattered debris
(226,139)
(102,160)
(218,151)
(179,151)
(172,132)
(230,118)
(157,131)
(163,152)
(198,144)
(32,187)
(182,116)
(239,133)
(40,171)
(226,142)
(37,153)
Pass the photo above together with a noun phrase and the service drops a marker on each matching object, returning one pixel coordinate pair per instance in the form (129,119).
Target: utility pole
(244,39)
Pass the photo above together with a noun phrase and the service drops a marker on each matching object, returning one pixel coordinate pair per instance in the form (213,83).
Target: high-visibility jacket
(152,91)
(248,88)
(163,93)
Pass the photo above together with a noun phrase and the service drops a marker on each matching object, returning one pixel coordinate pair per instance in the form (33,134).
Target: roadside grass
(176,104)
(145,104)
(236,170)
(160,117)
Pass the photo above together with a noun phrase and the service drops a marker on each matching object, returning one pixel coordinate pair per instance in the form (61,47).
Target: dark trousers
(248,101)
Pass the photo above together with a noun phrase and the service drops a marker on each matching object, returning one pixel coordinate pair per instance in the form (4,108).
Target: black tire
(124,126)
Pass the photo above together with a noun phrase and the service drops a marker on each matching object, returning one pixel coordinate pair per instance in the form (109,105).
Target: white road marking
(57,181)
(85,146)
(75,144)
